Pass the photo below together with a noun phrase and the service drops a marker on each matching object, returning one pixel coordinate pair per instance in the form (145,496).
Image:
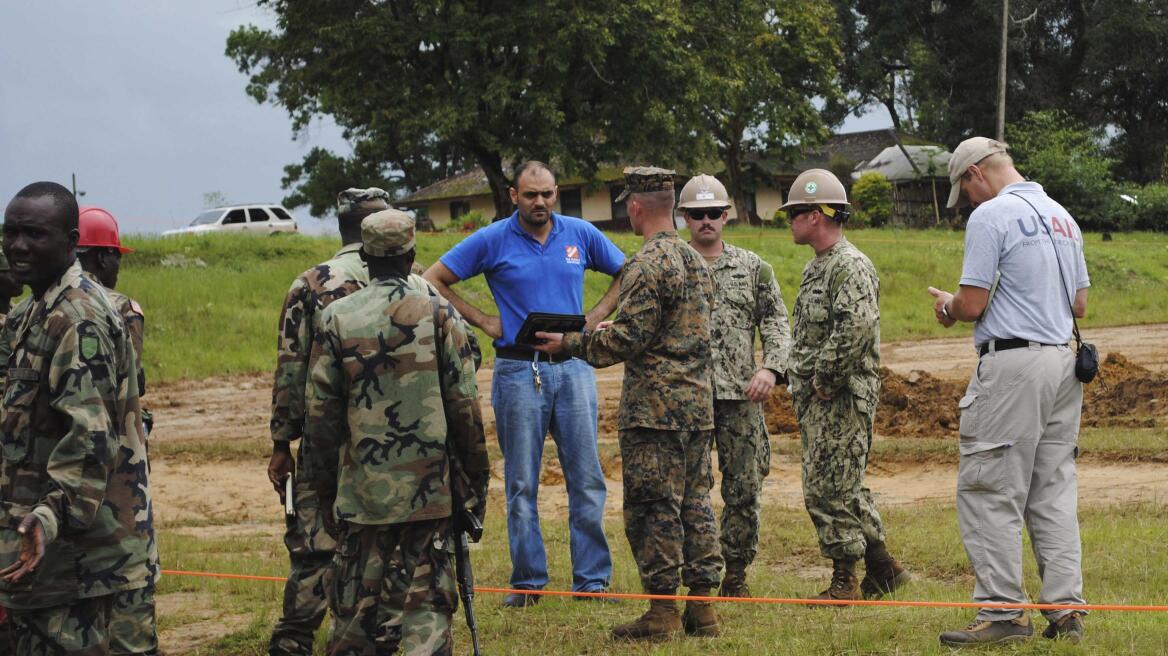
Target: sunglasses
(796,211)
(711,214)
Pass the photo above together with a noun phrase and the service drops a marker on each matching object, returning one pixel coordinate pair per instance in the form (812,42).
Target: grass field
(212,301)
(1123,554)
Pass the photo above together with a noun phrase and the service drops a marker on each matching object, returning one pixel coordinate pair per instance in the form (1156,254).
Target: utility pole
(1001,125)
(76,194)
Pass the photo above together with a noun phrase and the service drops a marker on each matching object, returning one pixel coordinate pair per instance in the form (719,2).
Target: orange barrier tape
(740,600)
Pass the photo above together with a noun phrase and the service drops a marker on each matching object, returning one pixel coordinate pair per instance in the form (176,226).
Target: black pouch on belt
(1086,362)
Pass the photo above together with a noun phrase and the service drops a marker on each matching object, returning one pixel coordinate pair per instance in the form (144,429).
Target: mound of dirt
(1125,395)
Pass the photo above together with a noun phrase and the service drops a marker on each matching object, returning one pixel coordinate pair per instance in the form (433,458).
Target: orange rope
(740,600)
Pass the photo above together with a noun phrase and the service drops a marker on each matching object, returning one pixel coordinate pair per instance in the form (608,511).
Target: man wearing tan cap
(747,300)
(662,334)
(1020,413)
(394,439)
(310,548)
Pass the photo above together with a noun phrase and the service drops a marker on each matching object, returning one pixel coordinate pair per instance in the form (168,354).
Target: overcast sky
(138,100)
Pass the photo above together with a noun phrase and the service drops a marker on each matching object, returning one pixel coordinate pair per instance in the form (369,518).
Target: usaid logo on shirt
(1030,227)
(572,254)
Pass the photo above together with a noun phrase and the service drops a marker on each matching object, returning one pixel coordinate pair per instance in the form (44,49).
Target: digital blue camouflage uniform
(72,453)
(393,398)
(662,334)
(835,332)
(747,300)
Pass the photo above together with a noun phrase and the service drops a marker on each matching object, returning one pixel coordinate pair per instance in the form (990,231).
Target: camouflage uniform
(73,455)
(390,394)
(747,298)
(133,626)
(662,333)
(836,347)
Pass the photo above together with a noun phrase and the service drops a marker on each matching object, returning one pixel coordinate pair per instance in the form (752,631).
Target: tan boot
(844,584)
(734,583)
(882,574)
(699,618)
(661,622)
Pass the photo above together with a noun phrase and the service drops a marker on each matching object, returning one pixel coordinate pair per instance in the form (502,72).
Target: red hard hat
(99,228)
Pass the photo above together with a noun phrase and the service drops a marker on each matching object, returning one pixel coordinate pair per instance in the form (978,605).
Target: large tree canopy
(424,87)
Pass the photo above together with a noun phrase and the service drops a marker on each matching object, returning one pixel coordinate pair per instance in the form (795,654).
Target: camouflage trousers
(837,435)
(744,458)
(77,629)
(310,550)
(393,587)
(132,624)
(669,520)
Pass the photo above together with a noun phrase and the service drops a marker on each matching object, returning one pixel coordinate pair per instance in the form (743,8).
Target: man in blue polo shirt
(534,261)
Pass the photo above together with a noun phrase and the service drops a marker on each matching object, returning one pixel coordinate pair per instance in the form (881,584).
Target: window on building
(458,209)
(619,211)
(571,202)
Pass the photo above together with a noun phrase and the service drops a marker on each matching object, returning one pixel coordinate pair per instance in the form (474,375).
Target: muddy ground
(922,382)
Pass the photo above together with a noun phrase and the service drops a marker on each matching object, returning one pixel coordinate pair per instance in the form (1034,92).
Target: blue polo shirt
(526,276)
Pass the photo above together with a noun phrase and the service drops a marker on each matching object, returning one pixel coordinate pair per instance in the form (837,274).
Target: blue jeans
(565,405)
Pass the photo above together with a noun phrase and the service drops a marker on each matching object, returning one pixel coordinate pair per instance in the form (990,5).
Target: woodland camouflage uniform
(74,455)
(836,345)
(310,548)
(747,299)
(386,404)
(662,333)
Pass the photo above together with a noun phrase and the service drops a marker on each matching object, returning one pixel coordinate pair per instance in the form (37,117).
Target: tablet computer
(548,322)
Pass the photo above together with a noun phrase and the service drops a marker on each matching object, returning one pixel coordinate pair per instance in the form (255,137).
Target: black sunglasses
(712,213)
(796,211)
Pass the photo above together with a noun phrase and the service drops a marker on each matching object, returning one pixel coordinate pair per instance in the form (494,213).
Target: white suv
(260,219)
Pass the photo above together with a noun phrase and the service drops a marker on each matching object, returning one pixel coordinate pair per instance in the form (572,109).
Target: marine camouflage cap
(353,199)
(643,179)
(386,233)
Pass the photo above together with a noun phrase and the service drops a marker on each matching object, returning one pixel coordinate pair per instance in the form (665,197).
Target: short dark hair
(530,165)
(63,200)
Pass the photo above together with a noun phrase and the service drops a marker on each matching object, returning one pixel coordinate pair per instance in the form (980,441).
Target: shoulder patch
(136,308)
(88,346)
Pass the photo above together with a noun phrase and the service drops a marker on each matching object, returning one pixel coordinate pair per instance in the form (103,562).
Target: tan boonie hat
(386,233)
(643,179)
(353,199)
(703,191)
(969,152)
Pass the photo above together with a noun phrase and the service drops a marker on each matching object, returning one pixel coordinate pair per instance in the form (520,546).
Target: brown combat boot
(882,574)
(661,622)
(734,583)
(699,618)
(843,583)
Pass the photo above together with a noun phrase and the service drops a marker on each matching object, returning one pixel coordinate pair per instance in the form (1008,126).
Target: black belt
(1007,344)
(519,353)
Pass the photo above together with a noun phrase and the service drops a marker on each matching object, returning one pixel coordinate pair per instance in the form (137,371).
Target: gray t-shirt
(1003,235)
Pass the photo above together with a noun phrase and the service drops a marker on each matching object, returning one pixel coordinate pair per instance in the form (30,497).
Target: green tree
(761,62)
(872,197)
(424,88)
(1068,160)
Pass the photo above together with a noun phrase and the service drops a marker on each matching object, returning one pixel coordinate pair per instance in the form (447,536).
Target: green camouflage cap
(353,199)
(386,233)
(641,179)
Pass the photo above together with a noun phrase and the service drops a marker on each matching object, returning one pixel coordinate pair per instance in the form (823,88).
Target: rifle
(467,528)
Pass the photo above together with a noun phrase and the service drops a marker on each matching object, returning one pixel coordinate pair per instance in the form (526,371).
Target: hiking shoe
(598,600)
(699,618)
(661,622)
(883,577)
(1069,627)
(844,585)
(734,583)
(984,632)
(520,600)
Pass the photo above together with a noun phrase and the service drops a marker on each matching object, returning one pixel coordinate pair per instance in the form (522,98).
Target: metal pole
(75,185)
(1001,125)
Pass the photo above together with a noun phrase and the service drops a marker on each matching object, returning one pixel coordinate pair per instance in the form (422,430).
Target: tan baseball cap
(387,233)
(703,191)
(969,152)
